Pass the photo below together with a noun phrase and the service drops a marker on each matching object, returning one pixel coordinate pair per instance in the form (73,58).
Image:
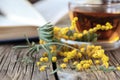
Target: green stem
(49,55)
(45,48)
(51,43)
(27,40)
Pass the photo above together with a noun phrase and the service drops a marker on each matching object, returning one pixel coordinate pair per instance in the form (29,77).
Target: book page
(7,22)
(22,12)
(52,10)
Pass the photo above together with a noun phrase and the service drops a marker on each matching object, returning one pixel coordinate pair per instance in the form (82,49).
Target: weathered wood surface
(11,69)
(114,56)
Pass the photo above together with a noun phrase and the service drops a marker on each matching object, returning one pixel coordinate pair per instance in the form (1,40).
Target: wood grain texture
(12,69)
(114,56)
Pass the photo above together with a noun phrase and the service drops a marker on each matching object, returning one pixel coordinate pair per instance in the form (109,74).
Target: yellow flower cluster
(44,59)
(97,52)
(72,34)
(73,23)
(94,52)
(53,49)
(72,54)
(61,32)
(107,26)
(82,57)
(42,68)
(84,64)
(41,62)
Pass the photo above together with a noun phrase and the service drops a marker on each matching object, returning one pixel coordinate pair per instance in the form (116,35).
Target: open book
(20,18)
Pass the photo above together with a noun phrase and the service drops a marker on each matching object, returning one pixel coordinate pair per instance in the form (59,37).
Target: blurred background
(54,11)
(15,15)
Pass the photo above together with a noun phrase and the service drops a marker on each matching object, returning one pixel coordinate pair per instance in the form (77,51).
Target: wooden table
(12,69)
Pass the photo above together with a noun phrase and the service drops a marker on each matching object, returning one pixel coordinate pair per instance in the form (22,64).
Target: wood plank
(111,75)
(5,57)
(117,73)
(49,75)
(100,75)
(13,65)
(15,69)
(38,75)
(6,65)
(2,48)
(115,61)
(10,69)
(22,73)
(21,70)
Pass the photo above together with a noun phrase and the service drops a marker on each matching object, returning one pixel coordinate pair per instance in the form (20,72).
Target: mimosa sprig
(78,57)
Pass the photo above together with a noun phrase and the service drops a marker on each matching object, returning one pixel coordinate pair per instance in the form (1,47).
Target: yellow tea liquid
(87,20)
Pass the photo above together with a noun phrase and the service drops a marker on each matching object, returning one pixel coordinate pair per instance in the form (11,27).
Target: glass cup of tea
(92,13)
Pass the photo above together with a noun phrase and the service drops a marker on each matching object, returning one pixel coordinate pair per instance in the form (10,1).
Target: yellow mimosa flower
(63,65)
(82,50)
(75,63)
(46,59)
(97,61)
(38,63)
(85,32)
(65,60)
(118,68)
(42,68)
(106,64)
(41,59)
(86,66)
(54,59)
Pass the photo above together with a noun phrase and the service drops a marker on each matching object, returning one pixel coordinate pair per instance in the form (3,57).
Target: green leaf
(69,33)
(33,52)
(16,47)
(47,29)
(46,32)
(33,43)
(49,56)
(47,50)
(102,68)
(84,38)
(47,40)
(26,60)
(94,39)
(28,42)
(93,68)
(38,47)
(45,25)
(46,36)
(88,37)
(111,68)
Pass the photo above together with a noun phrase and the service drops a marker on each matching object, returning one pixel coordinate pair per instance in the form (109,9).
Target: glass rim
(86,4)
